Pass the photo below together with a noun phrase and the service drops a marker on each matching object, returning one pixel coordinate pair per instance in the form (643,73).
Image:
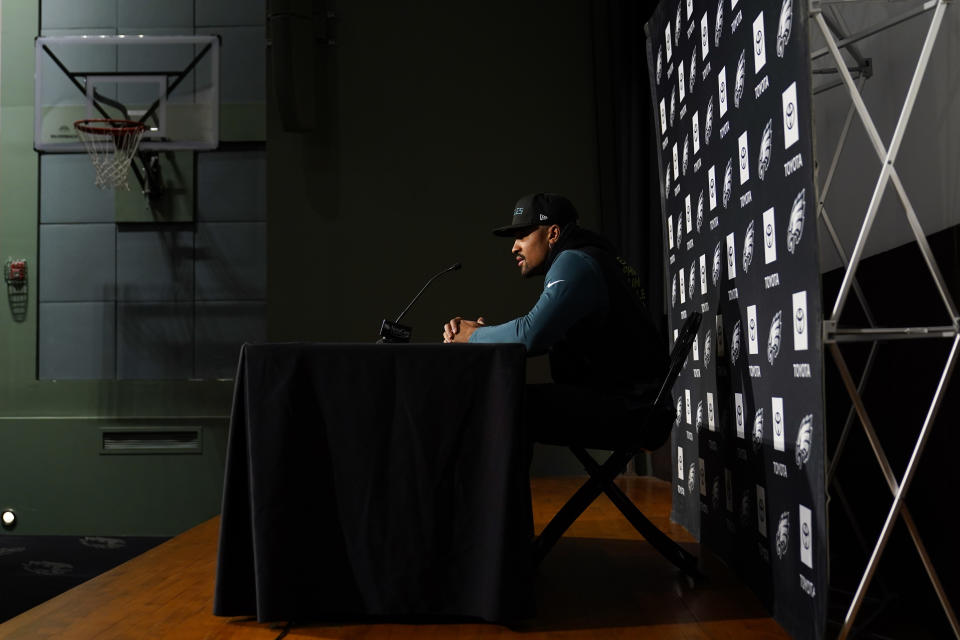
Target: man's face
(530,248)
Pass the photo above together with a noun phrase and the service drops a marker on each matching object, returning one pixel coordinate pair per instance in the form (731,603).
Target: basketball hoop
(111,145)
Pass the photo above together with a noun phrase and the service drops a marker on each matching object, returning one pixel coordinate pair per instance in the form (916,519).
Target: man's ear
(553,233)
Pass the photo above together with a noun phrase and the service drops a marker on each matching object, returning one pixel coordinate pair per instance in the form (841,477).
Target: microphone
(393,331)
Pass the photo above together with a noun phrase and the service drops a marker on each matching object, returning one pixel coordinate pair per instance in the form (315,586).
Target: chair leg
(680,557)
(577,504)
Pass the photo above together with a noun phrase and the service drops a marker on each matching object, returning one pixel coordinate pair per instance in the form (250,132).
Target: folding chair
(650,433)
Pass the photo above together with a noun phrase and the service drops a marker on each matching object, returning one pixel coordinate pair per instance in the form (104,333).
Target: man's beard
(541,269)
(538,270)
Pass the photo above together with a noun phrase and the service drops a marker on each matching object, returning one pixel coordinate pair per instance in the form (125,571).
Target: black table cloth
(376,479)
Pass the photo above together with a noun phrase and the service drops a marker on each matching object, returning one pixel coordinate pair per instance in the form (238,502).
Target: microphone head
(456,267)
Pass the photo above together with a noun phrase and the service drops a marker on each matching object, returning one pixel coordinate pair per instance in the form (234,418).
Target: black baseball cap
(538,209)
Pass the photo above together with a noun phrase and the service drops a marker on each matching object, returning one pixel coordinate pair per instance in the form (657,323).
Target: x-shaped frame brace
(888,173)
(898,490)
(832,482)
(833,335)
(601,480)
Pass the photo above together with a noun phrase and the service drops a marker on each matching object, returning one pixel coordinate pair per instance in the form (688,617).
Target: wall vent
(134,440)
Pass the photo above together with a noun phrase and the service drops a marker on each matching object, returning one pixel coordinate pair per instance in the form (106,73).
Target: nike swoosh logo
(550,284)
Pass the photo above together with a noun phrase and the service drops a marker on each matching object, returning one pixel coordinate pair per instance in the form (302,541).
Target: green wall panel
(243,122)
(59,483)
(179,196)
(49,429)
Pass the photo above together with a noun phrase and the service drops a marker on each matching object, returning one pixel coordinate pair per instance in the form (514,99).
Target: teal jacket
(573,289)
(590,318)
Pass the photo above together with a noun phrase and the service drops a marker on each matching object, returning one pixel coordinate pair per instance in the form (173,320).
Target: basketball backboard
(170,83)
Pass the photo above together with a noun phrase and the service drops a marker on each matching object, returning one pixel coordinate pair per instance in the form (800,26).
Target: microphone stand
(391,331)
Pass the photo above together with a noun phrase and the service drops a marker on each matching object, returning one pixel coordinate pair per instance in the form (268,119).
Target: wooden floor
(601,581)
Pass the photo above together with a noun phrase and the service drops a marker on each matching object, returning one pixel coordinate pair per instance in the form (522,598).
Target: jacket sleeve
(573,289)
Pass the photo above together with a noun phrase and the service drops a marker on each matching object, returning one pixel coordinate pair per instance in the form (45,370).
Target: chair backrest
(678,355)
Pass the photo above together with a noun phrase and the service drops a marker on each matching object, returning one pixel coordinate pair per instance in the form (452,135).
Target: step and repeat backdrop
(731,88)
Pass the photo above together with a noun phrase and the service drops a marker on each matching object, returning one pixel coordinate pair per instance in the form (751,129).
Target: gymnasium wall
(433,120)
(126,326)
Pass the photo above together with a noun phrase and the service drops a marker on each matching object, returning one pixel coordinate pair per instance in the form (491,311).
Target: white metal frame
(831,27)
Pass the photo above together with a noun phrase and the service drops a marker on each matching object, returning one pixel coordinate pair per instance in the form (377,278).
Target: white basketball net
(111,145)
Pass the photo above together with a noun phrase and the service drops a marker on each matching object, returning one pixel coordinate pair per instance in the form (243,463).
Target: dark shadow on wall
(628,175)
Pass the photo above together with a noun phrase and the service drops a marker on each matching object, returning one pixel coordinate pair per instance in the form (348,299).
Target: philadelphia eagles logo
(716,264)
(700,212)
(693,70)
(728,183)
(708,124)
(795,224)
(659,63)
(785,25)
(666,179)
(699,415)
(748,248)
(773,341)
(758,430)
(746,509)
(676,423)
(686,153)
(692,478)
(673,297)
(673,105)
(804,436)
(47,567)
(707,348)
(715,493)
(783,534)
(735,343)
(766,149)
(693,278)
(741,78)
(679,227)
(676,32)
(718,29)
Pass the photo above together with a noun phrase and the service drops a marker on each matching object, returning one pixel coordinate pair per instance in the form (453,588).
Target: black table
(376,480)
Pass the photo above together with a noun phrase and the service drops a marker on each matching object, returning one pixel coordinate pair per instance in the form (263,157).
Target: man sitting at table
(606,355)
